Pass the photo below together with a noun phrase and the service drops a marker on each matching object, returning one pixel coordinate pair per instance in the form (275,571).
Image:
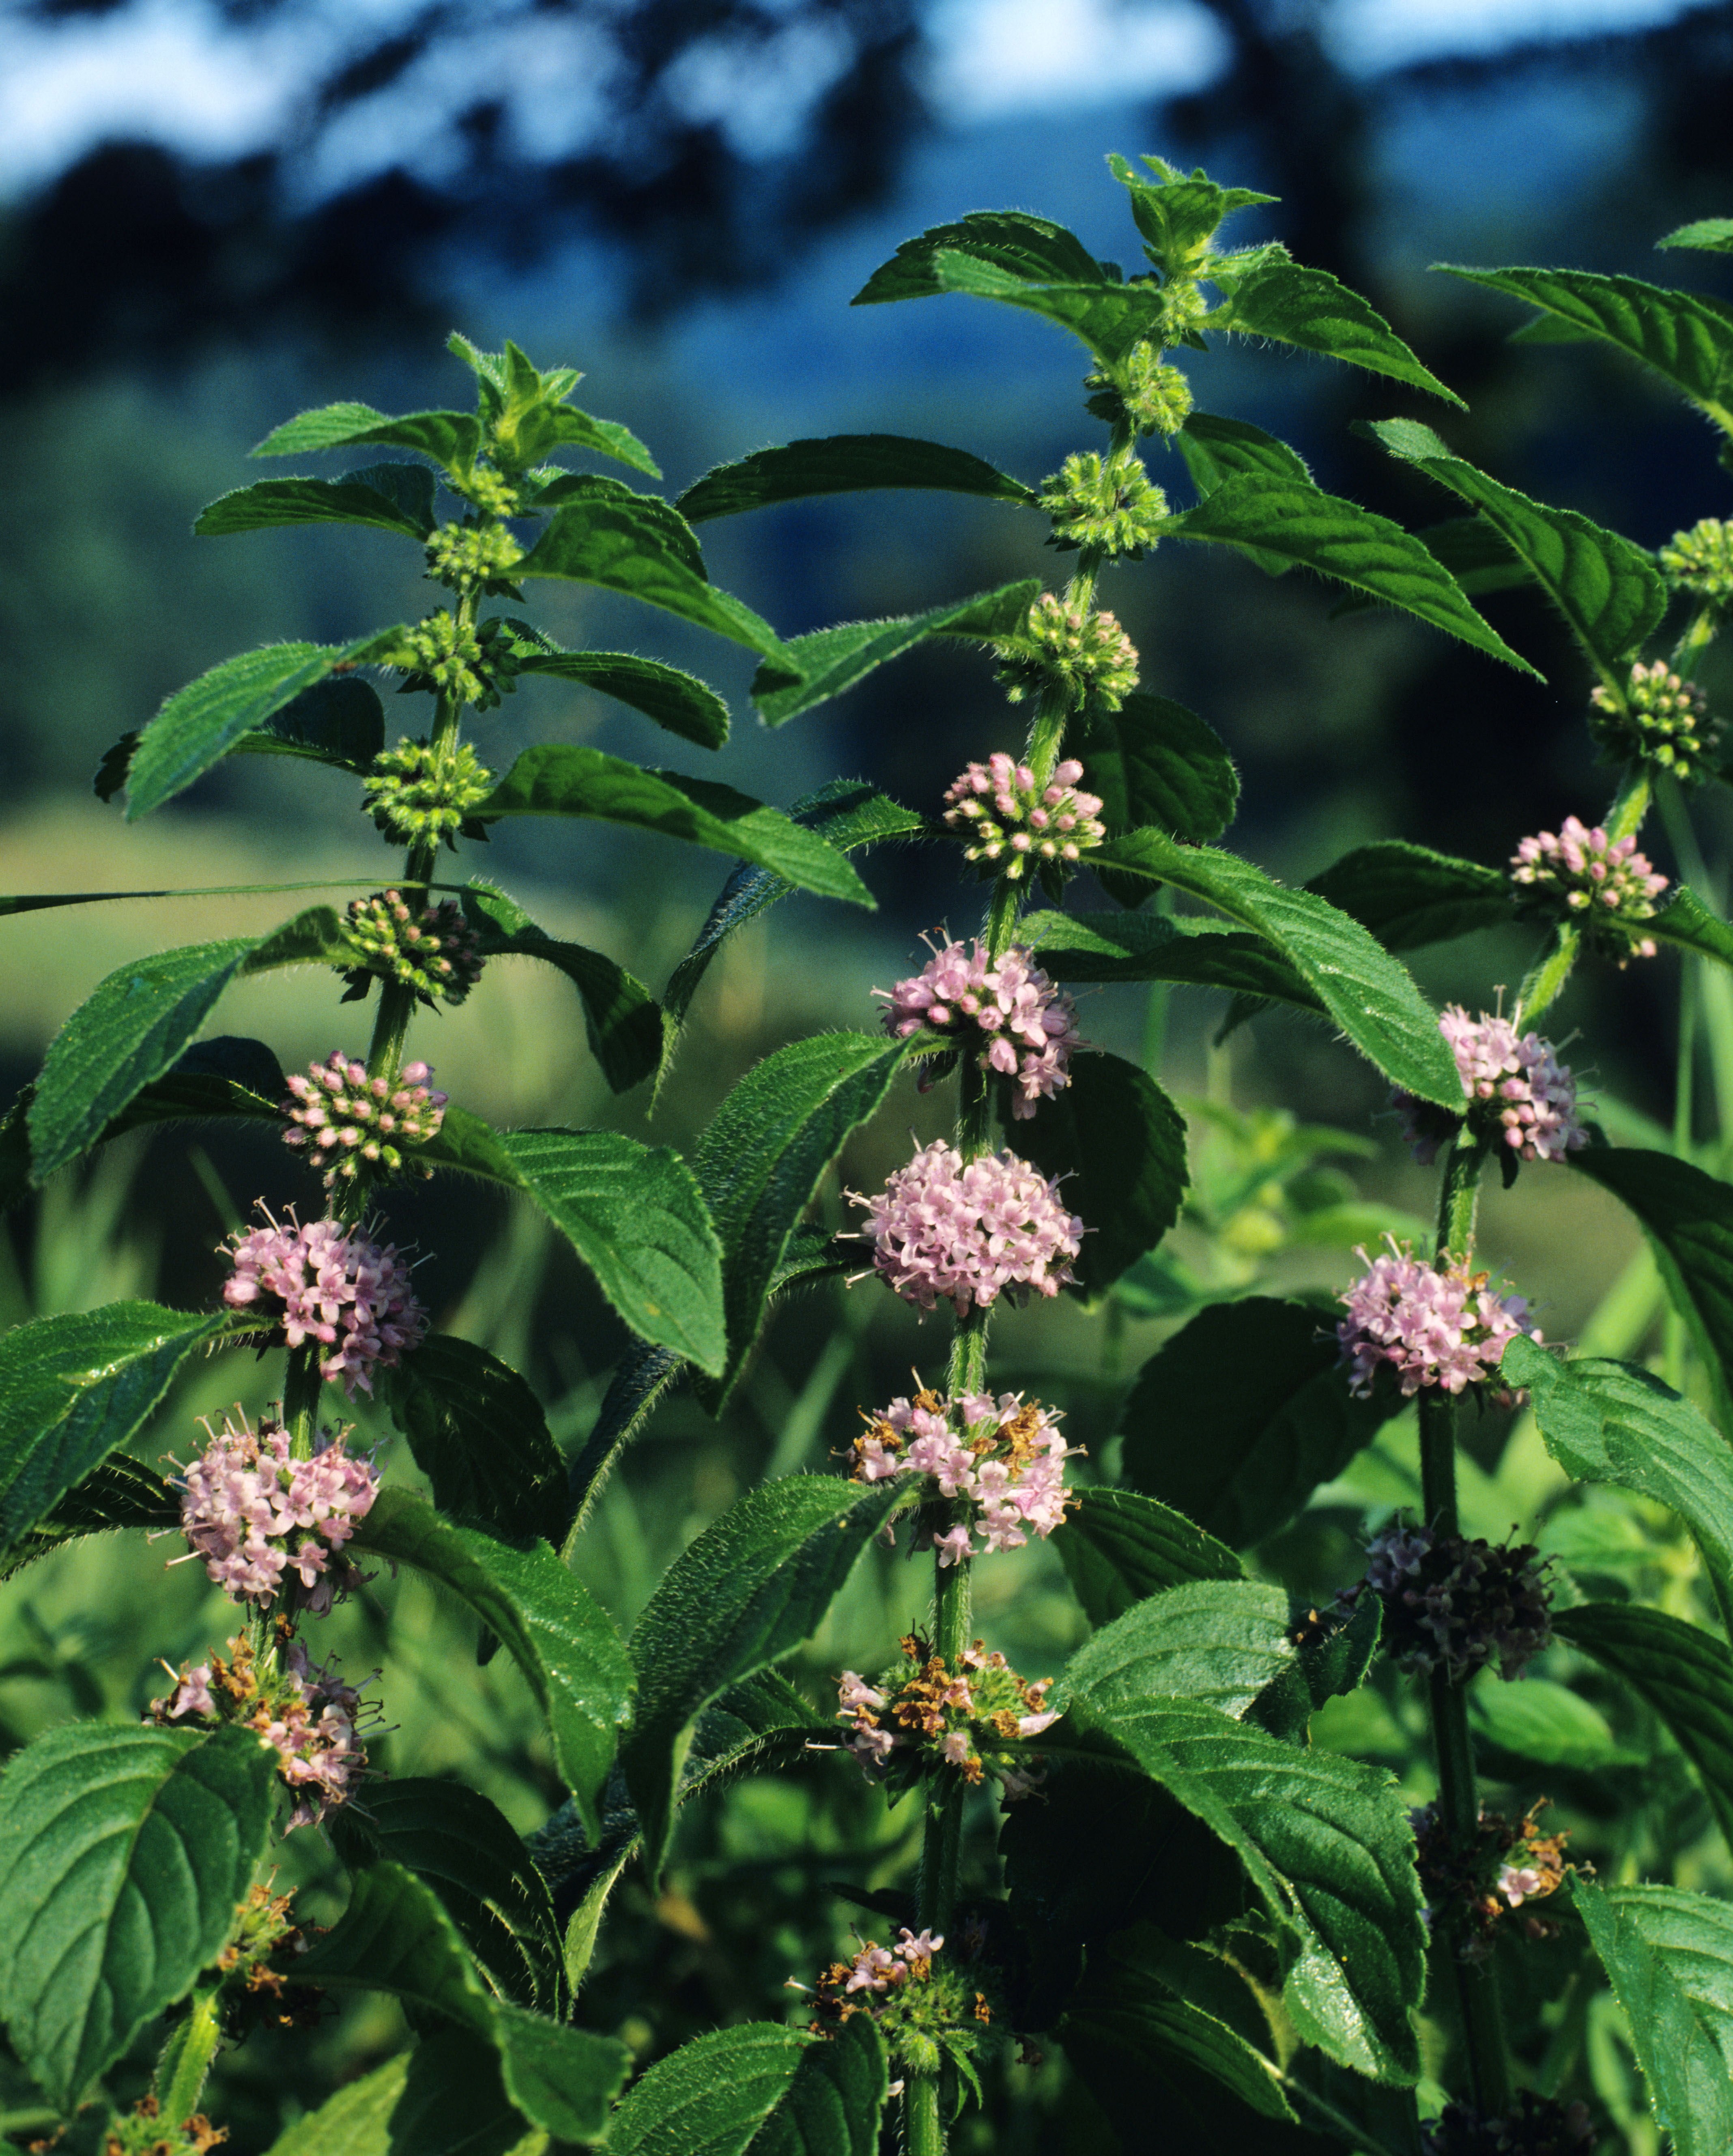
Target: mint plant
(1161,1866)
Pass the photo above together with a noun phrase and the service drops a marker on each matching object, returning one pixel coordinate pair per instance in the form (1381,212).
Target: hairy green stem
(1699,634)
(301,1384)
(1630,804)
(1546,980)
(186,2057)
(923,2129)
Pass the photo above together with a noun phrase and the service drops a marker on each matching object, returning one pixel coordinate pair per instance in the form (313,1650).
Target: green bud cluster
(443,655)
(1666,721)
(1183,308)
(1089,653)
(1114,508)
(431,949)
(414,793)
(489,491)
(1153,396)
(144,2132)
(471,558)
(1701,560)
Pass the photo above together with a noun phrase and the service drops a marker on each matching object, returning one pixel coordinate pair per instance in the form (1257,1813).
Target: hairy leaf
(1150,947)
(1313,309)
(1714,234)
(623,546)
(1215,448)
(843,463)
(1687,921)
(339,721)
(1408,895)
(676,701)
(439,2099)
(478,1434)
(1031,247)
(1119,1546)
(836,2099)
(273,502)
(710,2097)
(643,1375)
(1153,762)
(1220,1641)
(451,438)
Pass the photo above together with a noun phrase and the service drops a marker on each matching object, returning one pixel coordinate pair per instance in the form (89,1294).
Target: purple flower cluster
(333,1285)
(1005,1456)
(1513,1081)
(973,1718)
(1025,1023)
(253,1514)
(1433,1328)
(874,1969)
(1000,810)
(970,1231)
(353,1126)
(1455,1605)
(1605,880)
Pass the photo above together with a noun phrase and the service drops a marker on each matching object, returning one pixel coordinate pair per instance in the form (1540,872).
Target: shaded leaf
(1030,247)
(480,1437)
(624,546)
(273,502)
(1218,1641)
(1153,762)
(1119,1546)
(451,438)
(1408,895)
(442,2099)
(676,701)
(843,463)
(1215,448)
(1314,310)
(1687,921)
(1548,1725)
(642,1377)
(710,2097)
(339,721)
(1150,946)
(834,2102)
(123,1492)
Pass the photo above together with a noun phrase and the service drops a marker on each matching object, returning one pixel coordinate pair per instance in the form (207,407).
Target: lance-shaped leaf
(1611,1422)
(74,1388)
(1215,448)
(339,721)
(1408,895)
(1669,1956)
(1685,1675)
(123,1492)
(1313,309)
(644,1375)
(1299,524)
(198,724)
(1033,248)
(1688,1217)
(1238,1418)
(1119,1546)
(1150,946)
(436,2099)
(563,425)
(1713,234)
(1153,762)
(836,2099)
(1609,592)
(843,463)
(623,546)
(123,1853)
(809,670)
(451,438)
(480,1437)
(273,502)
(553,1628)
(562,779)
(1218,1641)
(1366,991)
(1685,338)
(1687,921)
(672,533)
(710,2097)
(676,701)
(1177,211)
(749,1590)
(1120,1144)
(762,1159)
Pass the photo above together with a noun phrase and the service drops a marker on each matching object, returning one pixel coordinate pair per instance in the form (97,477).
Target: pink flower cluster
(1433,1328)
(970,1231)
(1005,1456)
(354,1127)
(1516,1079)
(874,1969)
(333,1285)
(1026,1023)
(253,1514)
(973,1718)
(998,807)
(1594,876)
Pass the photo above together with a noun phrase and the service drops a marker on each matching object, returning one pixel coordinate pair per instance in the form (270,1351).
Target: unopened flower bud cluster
(355,1127)
(488,491)
(967,1232)
(144,2132)
(1605,881)
(928,2003)
(1089,653)
(1115,508)
(330,1284)
(1153,395)
(1446,1328)
(468,557)
(976,1718)
(1700,561)
(1005,1456)
(1020,1022)
(415,793)
(1473,1890)
(443,654)
(1519,1092)
(1006,819)
(1456,1605)
(265,1523)
(431,949)
(1665,720)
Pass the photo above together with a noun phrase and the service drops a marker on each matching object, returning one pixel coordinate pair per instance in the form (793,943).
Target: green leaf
(1218,1641)
(200,724)
(1216,449)
(1153,762)
(665,529)
(1687,921)
(766,1153)
(339,721)
(624,546)
(1311,309)
(752,1587)
(678,701)
(1547,1725)
(1688,1218)
(1365,990)
(123,1492)
(1296,523)
(836,2099)
(123,1852)
(478,1434)
(554,1628)
(1684,338)
(273,502)
(1120,1144)
(811,670)
(1713,234)
(561,779)
(1409,895)
(643,1374)
(1238,1418)
(1685,1675)
(563,425)
(1033,248)
(451,438)
(436,2099)
(1670,1957)
(710,2097)
(1118,1547)
(74,1388)
(1178,214)
(843,463)
(1611,1422)
(1609,592)
(1151,946)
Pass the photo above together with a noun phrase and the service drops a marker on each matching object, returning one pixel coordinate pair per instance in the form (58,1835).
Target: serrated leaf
(752,1587)
(451,438)
(562,779)
(1151,946)
(836,2099)
(1031,247)
(123,1852)
(199,725)
(1313,309)
(1119,1142)
(710,2097)
(809,670)
(1238,1418)
(436,2099)
(1408,895)
(1301,525)
(843,463)
(1215,448)
(1365,990)
(622,546)
(123,1492)
(554,1630)
(1669,1956)
(1687,921)
(1609,592)
(1685,1675)
(339,721)
(1218,1641)
(1153,762)
(763,1156)
(271,503)
(1713,234)
(1119,1546)
(678,701)
(1106,315)
(480,1437)
(663,528)
(563,425)
(1177,211)
(643,1375)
